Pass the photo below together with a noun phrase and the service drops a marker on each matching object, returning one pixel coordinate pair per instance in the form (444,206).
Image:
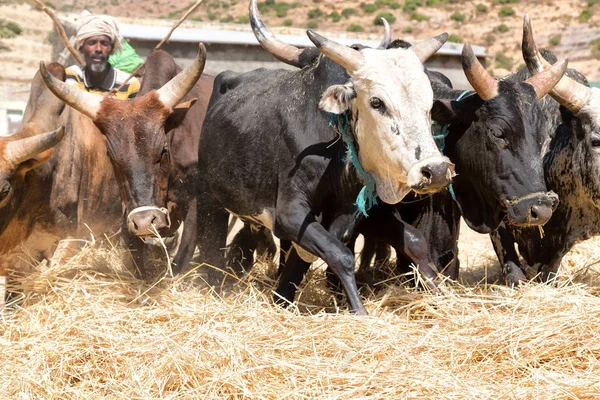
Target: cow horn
(84,102)
(387,35)
(172,92)
(545,81)
(568,92)
(484,84)
(282,51)
(347,57)
(25,149)
(426,48)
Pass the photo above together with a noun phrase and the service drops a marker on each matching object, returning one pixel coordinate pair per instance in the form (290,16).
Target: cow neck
(440,138)
(367,197)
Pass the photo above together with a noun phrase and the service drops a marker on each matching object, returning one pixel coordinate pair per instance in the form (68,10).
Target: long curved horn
(387,35)
(84,102)
(484,84)
(22,150)
(426,48)
(347,57)
(568,92)
(282,51)
(545,81)
(172,92)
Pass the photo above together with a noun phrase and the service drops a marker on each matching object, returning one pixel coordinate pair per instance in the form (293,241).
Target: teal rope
(440,138)
(367,197)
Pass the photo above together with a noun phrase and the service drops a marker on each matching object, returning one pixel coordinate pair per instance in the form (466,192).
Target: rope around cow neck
(367,197)
(440,139)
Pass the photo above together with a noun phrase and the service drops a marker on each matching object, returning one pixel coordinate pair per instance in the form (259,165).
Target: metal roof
(246,37)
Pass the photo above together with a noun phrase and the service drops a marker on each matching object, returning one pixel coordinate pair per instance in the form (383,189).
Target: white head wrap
(93,24)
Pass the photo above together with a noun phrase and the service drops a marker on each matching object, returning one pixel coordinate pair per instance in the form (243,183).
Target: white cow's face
(391,98)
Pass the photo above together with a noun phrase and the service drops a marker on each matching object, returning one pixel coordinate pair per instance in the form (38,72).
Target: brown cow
(139,145)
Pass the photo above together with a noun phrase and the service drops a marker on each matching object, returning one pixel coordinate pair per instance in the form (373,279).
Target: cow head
(496,138)
(580,135)
(390,102)
(136,140)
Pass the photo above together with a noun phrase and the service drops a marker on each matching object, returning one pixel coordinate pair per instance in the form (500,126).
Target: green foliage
(270,3)
(347,12)
(315,13)
(288,22)
(213,15)
(592,3)
(454,38)
(411,5)
(585,15)
(407,29)
(418,17)
(506,12)
(555,40)
(49,4)
(393,4)
(457,16)
(369,8)
(335,16)
(432,3)
(227,19)
(281,9)
(387,15)
(14,27)
(355,28)
(595,45)
(502,28)
(263,8)
(503,61)
(312,24)
(505,1)
(482,8)
(243,19)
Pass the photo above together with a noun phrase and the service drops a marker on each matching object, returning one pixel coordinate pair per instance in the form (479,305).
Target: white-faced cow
(134,132)
(268,154)
(571,162)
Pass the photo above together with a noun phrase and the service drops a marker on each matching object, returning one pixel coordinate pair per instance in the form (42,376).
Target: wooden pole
(61,31)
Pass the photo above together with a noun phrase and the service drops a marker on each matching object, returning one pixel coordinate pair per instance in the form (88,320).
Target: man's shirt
(76,76)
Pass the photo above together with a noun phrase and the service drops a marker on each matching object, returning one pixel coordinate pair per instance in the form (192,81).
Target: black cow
(571,163)
(268,154)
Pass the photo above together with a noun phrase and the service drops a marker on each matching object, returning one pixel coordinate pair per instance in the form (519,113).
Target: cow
(268,154)
(51,190)
(571,164)
(135,134)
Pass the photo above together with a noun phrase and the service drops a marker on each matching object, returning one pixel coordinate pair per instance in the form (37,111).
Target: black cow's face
(499,157)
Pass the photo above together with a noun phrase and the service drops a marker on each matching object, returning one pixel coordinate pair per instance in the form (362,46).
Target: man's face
(96,50)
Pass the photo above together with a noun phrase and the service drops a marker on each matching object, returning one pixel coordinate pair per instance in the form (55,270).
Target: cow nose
(530,212)
(430,176)
(145,221)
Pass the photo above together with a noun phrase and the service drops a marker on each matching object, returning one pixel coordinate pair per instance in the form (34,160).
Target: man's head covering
(93,24)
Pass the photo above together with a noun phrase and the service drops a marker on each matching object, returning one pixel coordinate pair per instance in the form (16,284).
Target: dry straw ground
(89,330)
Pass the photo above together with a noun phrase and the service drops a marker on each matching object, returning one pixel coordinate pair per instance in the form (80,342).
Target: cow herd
(339,146)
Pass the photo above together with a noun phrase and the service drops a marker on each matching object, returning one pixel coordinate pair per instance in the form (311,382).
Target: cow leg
(212,237)
(240,252)
(285,250)
(504,246)
(65,250)
(304,230)
(188,240)
(292,273)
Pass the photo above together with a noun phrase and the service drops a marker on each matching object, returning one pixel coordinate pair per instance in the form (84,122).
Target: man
(97,38)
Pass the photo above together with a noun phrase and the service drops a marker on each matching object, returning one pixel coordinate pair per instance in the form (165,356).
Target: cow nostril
(426,172)
(533,214)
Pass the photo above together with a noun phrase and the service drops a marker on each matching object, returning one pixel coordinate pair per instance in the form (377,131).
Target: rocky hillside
(571,28)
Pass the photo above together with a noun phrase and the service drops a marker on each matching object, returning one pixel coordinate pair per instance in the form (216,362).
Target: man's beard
(98,68)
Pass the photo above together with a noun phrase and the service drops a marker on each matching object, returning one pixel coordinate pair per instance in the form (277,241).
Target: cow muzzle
(147,220)
(532,210)
(430,175)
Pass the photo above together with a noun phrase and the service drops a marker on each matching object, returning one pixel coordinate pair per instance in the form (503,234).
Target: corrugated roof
(246,37)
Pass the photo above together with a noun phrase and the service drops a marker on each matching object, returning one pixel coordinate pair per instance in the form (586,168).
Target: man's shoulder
(122,77)
(74,74)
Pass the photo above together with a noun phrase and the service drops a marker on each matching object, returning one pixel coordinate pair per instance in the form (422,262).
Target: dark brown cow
(139,145)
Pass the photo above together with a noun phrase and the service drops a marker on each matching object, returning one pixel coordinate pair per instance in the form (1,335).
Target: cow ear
(446,111)
(34,161)
(442,111)
(178,114)
(337,99)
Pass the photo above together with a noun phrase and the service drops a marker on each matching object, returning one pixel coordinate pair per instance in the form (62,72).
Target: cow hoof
(513,275)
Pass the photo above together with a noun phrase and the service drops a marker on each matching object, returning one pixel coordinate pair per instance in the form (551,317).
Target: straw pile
(89,330)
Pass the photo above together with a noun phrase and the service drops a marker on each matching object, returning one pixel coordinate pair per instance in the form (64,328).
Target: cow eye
(595,142)
(4,191)
(376,103)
